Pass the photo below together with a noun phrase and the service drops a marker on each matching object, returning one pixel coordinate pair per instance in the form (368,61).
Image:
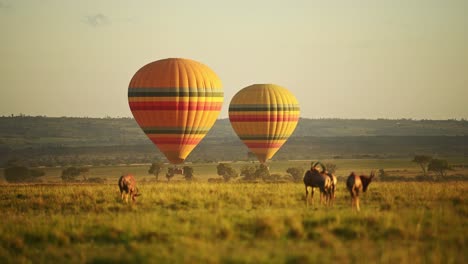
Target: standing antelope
(315,178)
(127,186)
(356,184)
(334,182)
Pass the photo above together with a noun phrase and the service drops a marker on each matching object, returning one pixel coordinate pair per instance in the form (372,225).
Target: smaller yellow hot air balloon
(264,116)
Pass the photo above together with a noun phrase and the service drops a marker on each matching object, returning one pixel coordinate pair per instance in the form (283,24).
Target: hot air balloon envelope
(175,102)
(264,116)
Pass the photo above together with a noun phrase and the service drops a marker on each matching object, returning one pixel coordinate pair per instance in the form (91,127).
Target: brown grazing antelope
(127,186)
(315,178)
(357,184)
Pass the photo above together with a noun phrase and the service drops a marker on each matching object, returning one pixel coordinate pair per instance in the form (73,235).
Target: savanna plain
(234,222)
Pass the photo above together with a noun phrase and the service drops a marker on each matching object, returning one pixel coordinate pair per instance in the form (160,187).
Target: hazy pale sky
(346,59)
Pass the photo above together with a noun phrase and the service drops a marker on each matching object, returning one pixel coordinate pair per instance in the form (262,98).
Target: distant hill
(21,132)
(41,138)
(364,127)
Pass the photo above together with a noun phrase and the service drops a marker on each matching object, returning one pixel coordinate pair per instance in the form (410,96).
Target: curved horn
(321,165)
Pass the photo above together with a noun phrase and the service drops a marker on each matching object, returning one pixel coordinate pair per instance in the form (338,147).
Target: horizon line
(311,118)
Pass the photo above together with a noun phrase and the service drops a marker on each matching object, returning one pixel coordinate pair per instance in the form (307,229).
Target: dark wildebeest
(314,178)
(356,184)
(127,186)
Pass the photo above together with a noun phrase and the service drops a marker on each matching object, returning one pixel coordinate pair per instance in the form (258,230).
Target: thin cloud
(97,20)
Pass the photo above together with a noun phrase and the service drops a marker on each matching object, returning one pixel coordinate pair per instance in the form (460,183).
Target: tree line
(16,171)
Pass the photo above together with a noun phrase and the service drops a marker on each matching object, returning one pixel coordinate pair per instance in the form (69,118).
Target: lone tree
(296,173)
(71,173)
(156,168)
(439,166)
(188,173)
(16,171)
(226,171)
(423,161)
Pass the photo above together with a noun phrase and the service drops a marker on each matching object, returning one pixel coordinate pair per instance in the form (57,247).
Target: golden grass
(199,222)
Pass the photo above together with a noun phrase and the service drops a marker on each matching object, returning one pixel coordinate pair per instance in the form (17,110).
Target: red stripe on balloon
(263,145)
(176,141)
(263,118)
(207,106)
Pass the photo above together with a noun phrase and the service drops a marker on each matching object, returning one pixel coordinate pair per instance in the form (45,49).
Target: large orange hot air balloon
(176,102)
(264,116)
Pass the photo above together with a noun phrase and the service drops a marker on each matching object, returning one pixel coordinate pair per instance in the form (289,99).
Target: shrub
(382,174)
(296,173)
(251,172)
(156,168)
(439,166)
(226,171)
(96,180)
(16,172)
(71,173)
(262,172)
(188,173)
(248,171)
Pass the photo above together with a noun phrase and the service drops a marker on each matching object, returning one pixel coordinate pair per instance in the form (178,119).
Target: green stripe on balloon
(175,130)
(172,92)
(263,137)
(247,108)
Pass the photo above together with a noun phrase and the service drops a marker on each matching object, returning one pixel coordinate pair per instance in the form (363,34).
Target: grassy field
(200,222)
